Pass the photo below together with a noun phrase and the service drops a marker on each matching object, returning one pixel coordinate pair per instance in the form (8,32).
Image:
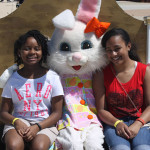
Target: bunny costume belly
(79,110)
(79,128)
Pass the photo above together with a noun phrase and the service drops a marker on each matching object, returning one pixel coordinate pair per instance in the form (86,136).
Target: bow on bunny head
(88,11)
(75,44)
(74,48)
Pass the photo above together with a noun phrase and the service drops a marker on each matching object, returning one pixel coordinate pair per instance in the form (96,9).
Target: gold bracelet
(14,121)
(116,123)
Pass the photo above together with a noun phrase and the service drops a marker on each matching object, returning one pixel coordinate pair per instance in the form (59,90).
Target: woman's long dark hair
(125,36)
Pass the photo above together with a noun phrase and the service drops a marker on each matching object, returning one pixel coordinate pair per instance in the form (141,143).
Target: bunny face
(74,52)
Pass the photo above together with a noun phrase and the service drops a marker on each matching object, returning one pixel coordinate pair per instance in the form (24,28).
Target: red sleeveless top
(117,101)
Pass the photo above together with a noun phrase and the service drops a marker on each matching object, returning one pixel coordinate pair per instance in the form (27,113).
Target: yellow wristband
(14,120)
(116,123)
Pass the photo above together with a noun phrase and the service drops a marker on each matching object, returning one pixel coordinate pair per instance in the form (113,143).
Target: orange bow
(96,26)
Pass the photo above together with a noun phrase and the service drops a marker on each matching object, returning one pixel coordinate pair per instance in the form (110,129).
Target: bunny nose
(76,57)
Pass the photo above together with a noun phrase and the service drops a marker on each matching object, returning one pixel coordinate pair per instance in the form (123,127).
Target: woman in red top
(122,94)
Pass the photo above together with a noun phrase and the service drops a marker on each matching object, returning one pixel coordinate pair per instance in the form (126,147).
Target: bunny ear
(64,20)
(88,9)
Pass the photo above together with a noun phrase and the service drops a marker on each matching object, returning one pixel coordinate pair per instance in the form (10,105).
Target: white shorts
(51,132)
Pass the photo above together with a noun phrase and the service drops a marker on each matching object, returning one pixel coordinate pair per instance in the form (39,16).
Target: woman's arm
(6,110)
(99,93)
(135,127)
(7,117)
(146,89)
(56,110)
(57,104)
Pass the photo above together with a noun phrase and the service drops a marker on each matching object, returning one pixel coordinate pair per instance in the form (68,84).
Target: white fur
(64,20)
(75,140)
(71,31)
(6,75)
(62,62)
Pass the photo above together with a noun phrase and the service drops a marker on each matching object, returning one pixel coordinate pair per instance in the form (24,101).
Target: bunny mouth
(76,67)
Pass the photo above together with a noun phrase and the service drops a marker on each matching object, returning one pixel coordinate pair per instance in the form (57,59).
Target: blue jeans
(115,142)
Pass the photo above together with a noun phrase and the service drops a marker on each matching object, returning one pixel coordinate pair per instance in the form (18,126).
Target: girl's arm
(56,109)
(146,89)
(99,93)
(57,104)
(7,117)
(135,127)
(6,110)
(103,114)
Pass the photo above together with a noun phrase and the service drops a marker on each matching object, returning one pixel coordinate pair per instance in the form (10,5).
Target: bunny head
(75,46)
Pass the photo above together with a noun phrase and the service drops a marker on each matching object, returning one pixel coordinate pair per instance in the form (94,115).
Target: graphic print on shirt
(32,101)
(121,104)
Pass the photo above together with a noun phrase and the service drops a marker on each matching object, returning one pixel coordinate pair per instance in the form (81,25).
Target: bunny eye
(86,44)
(65,47)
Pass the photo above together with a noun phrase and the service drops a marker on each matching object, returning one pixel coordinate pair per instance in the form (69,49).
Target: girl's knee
(14,142)
(40,143)
(142,147)
(14,145)
(120,147)
(40,146)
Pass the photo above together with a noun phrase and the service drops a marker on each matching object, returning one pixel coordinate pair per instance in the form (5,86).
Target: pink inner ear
(88,9)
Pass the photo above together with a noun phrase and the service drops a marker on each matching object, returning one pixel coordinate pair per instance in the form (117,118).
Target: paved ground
(135,9)
(6,8)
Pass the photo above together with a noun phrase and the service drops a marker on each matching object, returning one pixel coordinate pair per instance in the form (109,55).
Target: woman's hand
(30,133)
(134,128)
(123,130)
(20,127)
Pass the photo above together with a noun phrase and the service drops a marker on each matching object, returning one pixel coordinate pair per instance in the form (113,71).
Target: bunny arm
(7,74)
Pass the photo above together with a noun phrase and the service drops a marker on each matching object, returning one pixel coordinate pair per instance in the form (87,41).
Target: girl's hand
(30,133)
(134,128)
(20,127)
(123,130)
